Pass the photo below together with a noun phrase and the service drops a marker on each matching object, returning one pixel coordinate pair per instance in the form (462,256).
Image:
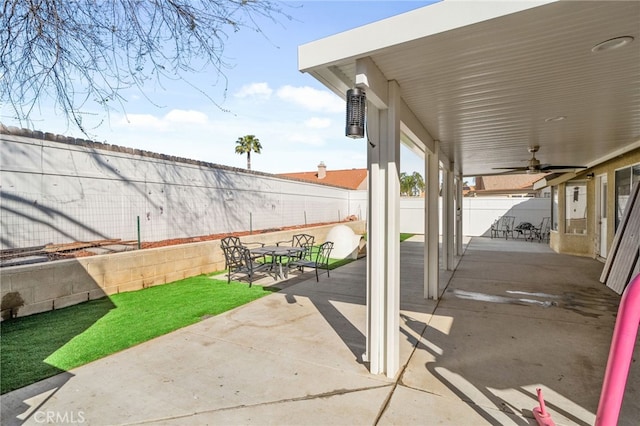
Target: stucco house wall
(588,244)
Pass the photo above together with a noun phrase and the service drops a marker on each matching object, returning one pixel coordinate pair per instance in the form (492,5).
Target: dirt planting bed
(52,252)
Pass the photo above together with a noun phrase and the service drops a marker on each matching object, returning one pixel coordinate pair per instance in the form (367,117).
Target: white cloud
(311,99)
(257,90)
(186,116)
(318,123)
(170,121)
(142,120)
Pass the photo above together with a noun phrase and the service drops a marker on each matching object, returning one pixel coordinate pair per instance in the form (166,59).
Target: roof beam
(370,78)
(333,80)
(429,20)
(413,129)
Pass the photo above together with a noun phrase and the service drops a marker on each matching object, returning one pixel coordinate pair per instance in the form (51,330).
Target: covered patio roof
(487,80)
(470,86)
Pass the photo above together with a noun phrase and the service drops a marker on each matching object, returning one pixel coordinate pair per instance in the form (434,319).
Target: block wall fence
(55,189)
(55,285)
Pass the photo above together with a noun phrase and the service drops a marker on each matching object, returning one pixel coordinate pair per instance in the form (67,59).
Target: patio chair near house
(239,261)
(503,226)
(541,232)
(321,260)
(524,229)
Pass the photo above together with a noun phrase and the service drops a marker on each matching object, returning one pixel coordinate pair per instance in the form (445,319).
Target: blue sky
(299,122)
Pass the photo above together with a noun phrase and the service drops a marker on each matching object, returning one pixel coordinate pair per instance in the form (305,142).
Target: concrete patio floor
(514,316)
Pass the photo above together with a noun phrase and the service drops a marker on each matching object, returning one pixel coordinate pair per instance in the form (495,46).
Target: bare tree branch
(80,52)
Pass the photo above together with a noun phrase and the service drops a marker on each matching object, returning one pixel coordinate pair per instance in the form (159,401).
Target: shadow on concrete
(520,316)
(348,285)
(329,290)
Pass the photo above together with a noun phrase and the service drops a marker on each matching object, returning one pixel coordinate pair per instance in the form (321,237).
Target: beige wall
(587,245)
(54,285)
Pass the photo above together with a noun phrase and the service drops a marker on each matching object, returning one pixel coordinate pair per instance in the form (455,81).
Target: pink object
(540,413)
(620,354)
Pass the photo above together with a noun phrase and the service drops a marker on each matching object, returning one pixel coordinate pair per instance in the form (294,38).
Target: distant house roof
(350,178)
(506,184)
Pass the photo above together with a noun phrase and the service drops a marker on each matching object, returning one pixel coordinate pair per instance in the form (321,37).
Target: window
(554,208)
(576,208)
(624,179)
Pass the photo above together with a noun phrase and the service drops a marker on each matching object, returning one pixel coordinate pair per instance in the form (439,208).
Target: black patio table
(277,253)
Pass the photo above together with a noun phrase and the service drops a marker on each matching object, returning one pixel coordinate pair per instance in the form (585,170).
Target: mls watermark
(59,417)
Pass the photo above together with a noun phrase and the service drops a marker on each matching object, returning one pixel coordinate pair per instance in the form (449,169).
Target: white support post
(459,205)
(383,257)
(375,228)
(446,218)
(449,195)
(431,226)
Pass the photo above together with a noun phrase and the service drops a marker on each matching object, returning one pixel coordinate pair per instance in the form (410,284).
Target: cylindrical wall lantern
(356,109)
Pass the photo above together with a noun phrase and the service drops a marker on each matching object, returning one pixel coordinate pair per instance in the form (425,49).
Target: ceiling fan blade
(504,172)
(535,167)
(501,171)
(553,167)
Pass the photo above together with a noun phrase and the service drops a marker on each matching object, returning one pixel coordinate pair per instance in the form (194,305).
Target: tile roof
(351,179)
(507,183)
(516,181)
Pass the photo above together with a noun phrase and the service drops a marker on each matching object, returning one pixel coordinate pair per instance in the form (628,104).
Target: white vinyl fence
(478,213)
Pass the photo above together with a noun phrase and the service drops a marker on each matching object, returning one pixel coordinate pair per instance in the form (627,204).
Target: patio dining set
(504,226)
(251,258)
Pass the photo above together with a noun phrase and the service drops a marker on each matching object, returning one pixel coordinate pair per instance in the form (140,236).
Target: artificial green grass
(39,346)
(403,236)
(35,347)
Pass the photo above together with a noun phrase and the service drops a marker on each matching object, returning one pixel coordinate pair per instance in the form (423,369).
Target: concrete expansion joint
(398,379)
(329,394)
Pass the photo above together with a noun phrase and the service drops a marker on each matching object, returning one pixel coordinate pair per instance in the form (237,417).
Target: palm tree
(246,144)
(418,184)
(411,185)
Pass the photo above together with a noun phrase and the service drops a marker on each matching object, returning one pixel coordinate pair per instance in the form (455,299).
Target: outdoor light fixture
(356,103)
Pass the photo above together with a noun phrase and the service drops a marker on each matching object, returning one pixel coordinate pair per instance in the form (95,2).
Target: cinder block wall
(54,285)
(62,190)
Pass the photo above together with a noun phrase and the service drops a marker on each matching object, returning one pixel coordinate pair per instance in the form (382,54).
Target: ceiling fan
(534,165)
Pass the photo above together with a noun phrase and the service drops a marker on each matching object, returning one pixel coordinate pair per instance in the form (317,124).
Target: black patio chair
(235,241)
(541,232)
(305,241)
(321,260)
(240,261)
(503,226)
